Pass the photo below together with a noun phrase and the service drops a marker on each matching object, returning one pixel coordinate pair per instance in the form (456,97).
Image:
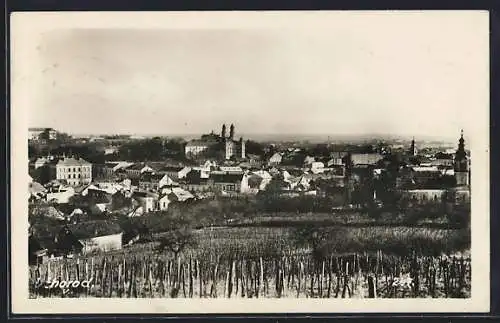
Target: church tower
(461,163)
(231,132)
(413,149)
(223,133)
(242,148)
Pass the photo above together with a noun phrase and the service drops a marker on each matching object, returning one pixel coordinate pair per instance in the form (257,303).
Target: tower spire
(461,163)
(413,150)
(231,131)
(223,133)
(461,146)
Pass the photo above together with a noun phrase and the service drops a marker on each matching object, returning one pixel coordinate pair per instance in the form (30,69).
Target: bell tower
(461,163)
(413,149)
(231,131)
(223,132)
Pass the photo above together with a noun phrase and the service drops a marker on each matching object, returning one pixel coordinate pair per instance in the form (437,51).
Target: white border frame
(24,25)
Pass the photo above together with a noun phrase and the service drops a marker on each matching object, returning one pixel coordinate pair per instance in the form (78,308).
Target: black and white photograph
(269,160)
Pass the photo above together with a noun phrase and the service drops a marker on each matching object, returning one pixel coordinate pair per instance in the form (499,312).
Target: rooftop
(227,178)
(425,169)
(201,142)
(39,129)
(171,169)
(70,161)
(137,166)
(139,194)
(151,177)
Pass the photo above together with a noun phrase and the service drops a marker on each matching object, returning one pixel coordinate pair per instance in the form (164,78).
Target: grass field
(275,241)
(268,262)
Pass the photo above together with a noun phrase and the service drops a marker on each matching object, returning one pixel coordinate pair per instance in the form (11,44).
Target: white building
(196,147)
(146,200)
(74,171)
(366,159)
(35,133)
(60,195)
(276,159)
(317,167)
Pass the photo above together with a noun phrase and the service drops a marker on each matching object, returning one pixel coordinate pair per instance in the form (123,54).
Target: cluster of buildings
(40,134)
(417,175)
(138,188)
(213,145)
(442,176)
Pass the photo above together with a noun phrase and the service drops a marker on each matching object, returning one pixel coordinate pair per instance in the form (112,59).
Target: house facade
(146,200)
(74,171)
(366,159)
(195,148)
(424,195)
(153,182)
(230,183)
(136,170)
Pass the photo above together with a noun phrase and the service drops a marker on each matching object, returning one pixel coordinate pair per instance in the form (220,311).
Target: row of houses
(151,178)
(155,190)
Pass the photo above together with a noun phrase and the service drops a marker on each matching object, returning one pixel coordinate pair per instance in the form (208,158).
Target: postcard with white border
(249,162)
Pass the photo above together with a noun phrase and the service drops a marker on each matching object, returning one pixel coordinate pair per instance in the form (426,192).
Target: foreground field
(349,276)
(276,241)
(358,262)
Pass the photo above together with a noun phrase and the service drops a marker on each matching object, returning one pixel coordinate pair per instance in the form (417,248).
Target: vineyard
(367,275)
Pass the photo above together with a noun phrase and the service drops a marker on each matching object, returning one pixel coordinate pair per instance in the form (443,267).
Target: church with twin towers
(224,145)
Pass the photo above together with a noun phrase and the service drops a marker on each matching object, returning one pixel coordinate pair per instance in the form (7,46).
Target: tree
(176,240)
(271,196)
(119,202)
(320,150)
(178,235)
(312,236)
(254,148)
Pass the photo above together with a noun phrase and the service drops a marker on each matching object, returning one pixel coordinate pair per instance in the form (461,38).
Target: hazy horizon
(294,137)
(332,136)
(406,75)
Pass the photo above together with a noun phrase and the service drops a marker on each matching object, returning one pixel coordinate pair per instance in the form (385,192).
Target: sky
(399,74)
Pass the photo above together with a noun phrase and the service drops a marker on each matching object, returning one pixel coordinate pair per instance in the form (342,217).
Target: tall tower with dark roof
(223,132)
(461,163)
(413,148)
(231,132)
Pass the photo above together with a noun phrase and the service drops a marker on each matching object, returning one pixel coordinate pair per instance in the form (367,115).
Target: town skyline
(319,138)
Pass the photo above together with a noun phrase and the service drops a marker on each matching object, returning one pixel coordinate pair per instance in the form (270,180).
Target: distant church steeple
(231,131)
(413,149)
(461,163)
(461,154)
(223,133)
